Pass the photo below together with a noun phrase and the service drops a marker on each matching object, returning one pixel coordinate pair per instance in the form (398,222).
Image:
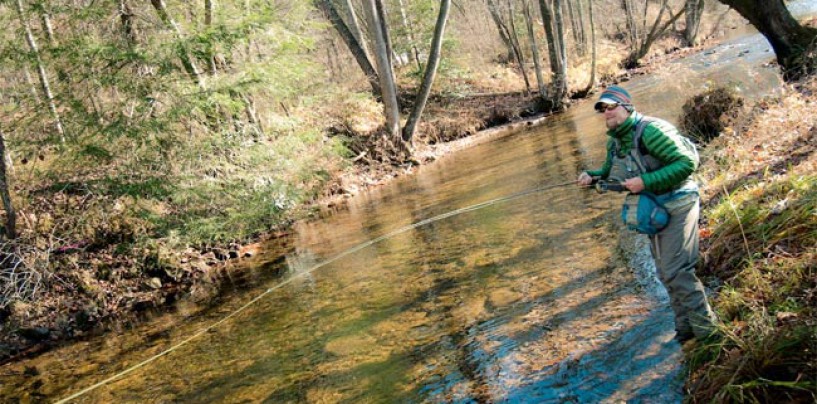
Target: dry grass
(761,243)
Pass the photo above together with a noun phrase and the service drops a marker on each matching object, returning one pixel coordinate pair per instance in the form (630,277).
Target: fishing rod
(343,254)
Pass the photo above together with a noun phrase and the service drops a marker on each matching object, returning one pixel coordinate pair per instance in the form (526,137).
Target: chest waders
(675,248)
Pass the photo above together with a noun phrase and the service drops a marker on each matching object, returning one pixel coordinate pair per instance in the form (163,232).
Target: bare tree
(515,40)
(574,27)
(504,33)
(793,43)
(629,18)
(592,82)
(642,46)
(44,84)
(540,81)
(511,37)
(357,49)
(582,30)
(431,71)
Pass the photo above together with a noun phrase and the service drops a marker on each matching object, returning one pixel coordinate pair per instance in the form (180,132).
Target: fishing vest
(638,161)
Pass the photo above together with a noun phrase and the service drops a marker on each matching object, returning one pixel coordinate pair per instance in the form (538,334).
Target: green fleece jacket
(661,141)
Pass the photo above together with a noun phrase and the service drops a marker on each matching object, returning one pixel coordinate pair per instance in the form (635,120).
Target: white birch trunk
(44,84)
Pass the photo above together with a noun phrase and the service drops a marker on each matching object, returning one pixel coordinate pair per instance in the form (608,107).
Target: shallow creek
(534,298)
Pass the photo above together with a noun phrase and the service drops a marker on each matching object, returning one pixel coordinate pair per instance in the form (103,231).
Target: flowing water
(489,299)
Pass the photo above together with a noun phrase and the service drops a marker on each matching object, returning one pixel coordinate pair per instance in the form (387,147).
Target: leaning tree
(793,43)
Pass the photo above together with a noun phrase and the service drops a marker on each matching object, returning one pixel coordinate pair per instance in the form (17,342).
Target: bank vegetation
(759,236)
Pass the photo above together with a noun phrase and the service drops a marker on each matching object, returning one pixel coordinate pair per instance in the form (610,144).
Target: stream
(438,287)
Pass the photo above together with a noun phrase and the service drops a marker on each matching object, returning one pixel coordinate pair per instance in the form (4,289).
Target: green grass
(764,245)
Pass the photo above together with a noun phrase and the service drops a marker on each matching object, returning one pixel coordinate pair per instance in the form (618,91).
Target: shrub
(706,115)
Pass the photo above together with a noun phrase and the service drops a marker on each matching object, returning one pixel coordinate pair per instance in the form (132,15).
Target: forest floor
(99,288)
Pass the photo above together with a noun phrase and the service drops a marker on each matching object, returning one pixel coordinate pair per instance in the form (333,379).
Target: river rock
(504,297)
(155,283)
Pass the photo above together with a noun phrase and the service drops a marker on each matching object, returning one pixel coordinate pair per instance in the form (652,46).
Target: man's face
(614,114)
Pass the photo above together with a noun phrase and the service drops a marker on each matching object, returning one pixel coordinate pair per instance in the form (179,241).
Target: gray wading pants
(675,250)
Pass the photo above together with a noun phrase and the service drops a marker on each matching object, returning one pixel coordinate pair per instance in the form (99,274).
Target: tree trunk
(592,83)
(354,27)
(694,11)
(582,30)
(410,31)
(656,31)
(574,26)
(793,43)
(354,46)
(384,71)
(126,16)
(632,26)
(187,61)
(208,24)
(553,52)
(48,29)
(520,57)
(431,71)
(561,89)
(384,26)
(44,84)
(252,114)
(5,195)
(547,23)
(504,33)
(540,81)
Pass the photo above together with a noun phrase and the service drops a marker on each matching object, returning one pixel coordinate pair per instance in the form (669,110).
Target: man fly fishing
(649,158)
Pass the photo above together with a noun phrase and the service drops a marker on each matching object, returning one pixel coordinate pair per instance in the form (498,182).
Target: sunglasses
(606,107)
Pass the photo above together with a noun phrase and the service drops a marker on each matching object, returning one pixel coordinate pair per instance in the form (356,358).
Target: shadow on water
(469,360)
(459,343)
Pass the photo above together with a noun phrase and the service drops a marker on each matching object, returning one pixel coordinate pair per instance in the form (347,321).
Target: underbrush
(103,237)
(760,244)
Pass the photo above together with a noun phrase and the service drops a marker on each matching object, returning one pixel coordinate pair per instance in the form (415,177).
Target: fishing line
(352,250)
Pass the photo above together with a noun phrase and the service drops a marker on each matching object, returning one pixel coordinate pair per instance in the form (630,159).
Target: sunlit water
(524,300)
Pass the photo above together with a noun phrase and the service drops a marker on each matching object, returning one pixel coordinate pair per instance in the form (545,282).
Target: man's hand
(634,185)
(584,179)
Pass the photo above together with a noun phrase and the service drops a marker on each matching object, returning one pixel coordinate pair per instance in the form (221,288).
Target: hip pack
(643,213)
